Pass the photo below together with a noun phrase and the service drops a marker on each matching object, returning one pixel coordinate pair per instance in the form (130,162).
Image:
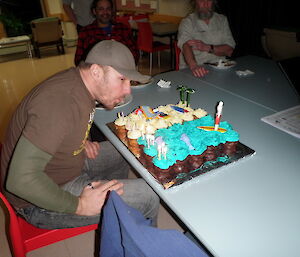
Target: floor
(18,74)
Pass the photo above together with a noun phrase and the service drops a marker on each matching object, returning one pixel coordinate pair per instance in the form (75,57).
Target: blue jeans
(107,166)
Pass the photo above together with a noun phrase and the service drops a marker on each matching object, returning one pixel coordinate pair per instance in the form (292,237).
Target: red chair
(146,43)
(24,237)
(177,55)
(142,17)
(124,20)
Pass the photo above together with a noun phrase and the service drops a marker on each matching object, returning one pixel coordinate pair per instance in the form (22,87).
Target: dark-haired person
(79,12)
(204,36)
(103,28)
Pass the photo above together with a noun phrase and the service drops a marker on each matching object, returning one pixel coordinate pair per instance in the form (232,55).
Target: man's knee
(138,194)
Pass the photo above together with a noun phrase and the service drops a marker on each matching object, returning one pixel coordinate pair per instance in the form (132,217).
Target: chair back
(145,37)
(16,240)
(25,237)
(142,17)
(46,30)
(124,20)
(14,228)
(177,55)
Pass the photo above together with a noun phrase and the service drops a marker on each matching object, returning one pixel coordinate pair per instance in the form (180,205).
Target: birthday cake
(172,141)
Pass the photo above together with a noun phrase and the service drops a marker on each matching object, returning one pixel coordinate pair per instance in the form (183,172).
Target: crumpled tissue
(244,73)
(164,84)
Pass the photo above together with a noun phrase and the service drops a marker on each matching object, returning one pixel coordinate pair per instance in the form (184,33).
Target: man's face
(112,88)
(103,12)
(205,9)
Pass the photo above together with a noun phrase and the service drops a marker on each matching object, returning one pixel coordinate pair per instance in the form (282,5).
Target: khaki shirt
(217,32)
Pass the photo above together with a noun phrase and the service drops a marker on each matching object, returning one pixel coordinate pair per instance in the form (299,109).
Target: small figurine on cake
(185,101)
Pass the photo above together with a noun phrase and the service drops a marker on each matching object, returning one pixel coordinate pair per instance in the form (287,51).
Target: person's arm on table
(222,50)
(197,70)
(219,50)
(27,179)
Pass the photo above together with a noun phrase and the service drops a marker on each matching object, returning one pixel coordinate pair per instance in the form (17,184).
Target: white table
(267,87)
(17,41)
(249,208)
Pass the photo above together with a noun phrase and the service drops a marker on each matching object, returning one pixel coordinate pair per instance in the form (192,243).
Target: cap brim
(134,75)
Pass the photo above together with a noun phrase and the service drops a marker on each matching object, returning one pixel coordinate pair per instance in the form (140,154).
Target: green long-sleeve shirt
(27,179)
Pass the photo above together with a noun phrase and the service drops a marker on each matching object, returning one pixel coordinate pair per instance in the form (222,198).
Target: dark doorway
(17,14)
(248,18)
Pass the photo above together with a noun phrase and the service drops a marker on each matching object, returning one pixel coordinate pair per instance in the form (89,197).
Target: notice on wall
(124,2)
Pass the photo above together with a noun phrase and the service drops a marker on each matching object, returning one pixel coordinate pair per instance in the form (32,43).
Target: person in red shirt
(103,28)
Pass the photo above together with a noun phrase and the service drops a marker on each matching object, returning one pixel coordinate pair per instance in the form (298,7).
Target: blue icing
(142,141)
(151,151)
(223,159)
(232,136)
(162,163)
(199,139)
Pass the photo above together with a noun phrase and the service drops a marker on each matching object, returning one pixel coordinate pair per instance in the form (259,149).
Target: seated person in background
(79,12)
(51,173)
(204,36)
(103,28)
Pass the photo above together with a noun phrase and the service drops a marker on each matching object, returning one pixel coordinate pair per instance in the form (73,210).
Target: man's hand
(93,197)
(198,71)
(92,149)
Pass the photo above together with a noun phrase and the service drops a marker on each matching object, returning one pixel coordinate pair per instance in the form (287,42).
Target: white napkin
(244,73)
(164,84)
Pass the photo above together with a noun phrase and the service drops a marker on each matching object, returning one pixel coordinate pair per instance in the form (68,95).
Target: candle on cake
(218,115)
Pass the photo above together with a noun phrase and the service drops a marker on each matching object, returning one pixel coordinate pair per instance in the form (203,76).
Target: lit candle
(218,115)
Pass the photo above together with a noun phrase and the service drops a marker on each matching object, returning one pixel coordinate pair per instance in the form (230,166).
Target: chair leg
(62,47)
(158,59)
(38,53)
(150,64)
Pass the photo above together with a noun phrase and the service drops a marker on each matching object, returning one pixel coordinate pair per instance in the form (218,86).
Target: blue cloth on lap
(126,233)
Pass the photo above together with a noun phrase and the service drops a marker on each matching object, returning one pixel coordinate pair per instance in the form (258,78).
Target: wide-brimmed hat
(117,55)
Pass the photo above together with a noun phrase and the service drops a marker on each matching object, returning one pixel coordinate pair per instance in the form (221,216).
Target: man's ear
(95,71)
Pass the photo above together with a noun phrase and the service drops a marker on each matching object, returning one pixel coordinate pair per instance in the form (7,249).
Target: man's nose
(127,88)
